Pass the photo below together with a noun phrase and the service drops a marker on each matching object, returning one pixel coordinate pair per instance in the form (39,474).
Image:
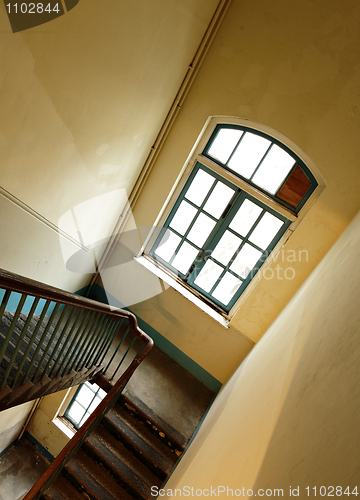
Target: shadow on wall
(25,16)
(121,275)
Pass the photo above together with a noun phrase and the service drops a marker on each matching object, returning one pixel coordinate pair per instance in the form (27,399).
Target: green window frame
(216,242)
(86,399)
(222,227)
(272,143)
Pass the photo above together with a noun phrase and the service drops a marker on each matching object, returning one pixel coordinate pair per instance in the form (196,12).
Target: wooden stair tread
(129,400)
(4,393)
(61,489)
(117,458)
(97,483)
(140,438)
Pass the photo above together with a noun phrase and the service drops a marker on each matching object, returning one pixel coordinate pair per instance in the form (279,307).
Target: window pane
(224,143)
(183,217)
(248,154)
(208,275)
(218,200)
(76,412)
(85,417)
(101,393)
(85,396)
(245,261)
(94,387)
(185,257)
(94,404)
(201,230)
(274,169)
(266,230)
(199,187)
(168,244)
(226,247)
(227,288)
(245,217)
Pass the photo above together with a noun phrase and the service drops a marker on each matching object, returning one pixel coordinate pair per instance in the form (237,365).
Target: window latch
(199,259)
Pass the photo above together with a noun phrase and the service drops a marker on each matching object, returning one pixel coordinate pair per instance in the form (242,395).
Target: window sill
(65,429)
(150,266)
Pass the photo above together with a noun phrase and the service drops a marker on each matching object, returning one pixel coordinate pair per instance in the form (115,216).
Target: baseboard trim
(7,448)
(40,448)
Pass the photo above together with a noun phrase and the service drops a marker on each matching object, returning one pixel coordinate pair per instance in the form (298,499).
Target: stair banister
(15,283)
(74,353)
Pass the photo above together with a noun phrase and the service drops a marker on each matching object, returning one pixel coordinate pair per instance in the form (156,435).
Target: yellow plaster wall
(217,349)
(81,102)
(289,415)
(43,429)
(294,67)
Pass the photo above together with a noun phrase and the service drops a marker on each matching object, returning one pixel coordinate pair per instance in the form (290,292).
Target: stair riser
(120,463)
(137,452)
(135,436)
(88,477)
(18,396)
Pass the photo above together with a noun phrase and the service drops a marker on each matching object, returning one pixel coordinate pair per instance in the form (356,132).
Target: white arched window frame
(190,245)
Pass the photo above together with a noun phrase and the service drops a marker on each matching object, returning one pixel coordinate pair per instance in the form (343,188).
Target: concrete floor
(171,392)
(20,468)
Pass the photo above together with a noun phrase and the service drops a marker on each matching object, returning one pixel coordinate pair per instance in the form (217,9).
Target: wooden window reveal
(295,187)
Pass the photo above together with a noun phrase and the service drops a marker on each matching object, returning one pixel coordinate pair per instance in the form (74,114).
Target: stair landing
(169,393)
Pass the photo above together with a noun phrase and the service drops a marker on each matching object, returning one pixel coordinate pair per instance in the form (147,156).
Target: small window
(86,399)
(242,194)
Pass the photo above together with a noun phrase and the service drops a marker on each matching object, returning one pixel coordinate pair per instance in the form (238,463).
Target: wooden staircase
(123,458)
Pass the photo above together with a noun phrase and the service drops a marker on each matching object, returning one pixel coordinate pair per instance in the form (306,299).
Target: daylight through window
(86,399)
(220,230)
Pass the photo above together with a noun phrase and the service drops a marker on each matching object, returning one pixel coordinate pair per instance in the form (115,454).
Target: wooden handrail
(16,283)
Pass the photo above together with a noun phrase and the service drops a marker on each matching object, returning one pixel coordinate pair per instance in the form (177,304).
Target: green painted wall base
(40,448)
(7,448)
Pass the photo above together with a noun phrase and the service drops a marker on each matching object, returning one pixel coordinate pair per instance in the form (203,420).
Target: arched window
(263,162)
(242,190)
